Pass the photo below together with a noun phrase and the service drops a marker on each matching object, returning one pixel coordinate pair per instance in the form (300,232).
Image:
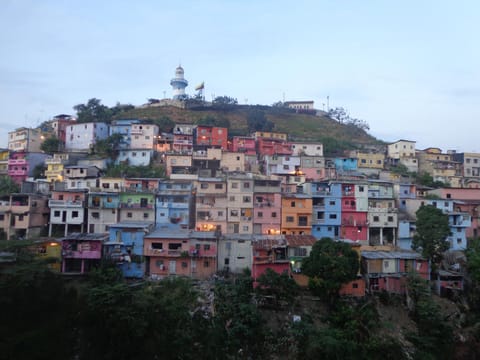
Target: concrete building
(240,204)
(82,137)
(211,204)
(67,211)
(25,139)
(103,211)
(307,148)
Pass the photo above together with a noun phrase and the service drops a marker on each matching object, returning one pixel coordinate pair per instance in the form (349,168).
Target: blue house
(346,164)
(123,127)
(125,247)
(406,229)
(174,204)
(327,209)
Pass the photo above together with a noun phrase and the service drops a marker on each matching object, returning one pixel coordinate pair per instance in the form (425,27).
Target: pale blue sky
(409,68)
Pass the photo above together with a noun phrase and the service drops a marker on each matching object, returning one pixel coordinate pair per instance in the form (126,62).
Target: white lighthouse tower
(178,84)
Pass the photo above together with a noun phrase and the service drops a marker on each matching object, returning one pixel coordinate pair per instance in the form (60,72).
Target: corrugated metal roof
(391,255)
(300,240)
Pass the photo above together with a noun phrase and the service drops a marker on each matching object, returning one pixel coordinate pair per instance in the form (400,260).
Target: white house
(81,137)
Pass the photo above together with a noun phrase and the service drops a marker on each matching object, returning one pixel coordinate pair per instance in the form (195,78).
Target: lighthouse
(178,84)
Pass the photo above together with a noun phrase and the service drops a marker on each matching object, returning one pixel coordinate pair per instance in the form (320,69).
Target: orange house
(296,214)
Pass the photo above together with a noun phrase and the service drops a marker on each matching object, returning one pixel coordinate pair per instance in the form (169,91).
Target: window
(302,221)
(235,185)
(274,214)
(246,185)
(203,186)
(206,247)
(292,204)
(238,158)
(95,215)
(332,216)
(260,214)
(286,167)
(390,219)
(184,264)
(157,246)
(231,198)
(355,286)
(226,261)
(360,188)
(129,215)
(376,219)
(2,217)
(289,219)
(220,213)
(56,213)
(247,199)
(363,161)
(20,217)
(233,212)
(145,215)
(74,214)
(459,241)
(245,228)
(218,186)
(206,264)
(332,203)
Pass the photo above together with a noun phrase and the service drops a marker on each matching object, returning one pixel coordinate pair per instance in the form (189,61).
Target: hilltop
(334,135)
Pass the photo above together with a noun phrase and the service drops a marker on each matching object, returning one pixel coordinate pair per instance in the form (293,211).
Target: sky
(409,68)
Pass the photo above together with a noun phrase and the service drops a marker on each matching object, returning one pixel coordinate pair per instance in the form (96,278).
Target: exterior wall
(266,146)
(67,208)
(211,136)
(177,161)
(345,164)
(242,144)
(21,164)
(234,254)
(270,135)
(309,149)
(211,204)
(84,136)
(111,184)
(370,160)
(123,127)
(25,139)
(102,211)
(355,288)
(296,215)
(135,157)
(232,161)
(174,205)
(327,210)
(240,205)
(401,149)
(281,165)
(80,256)
(138,207)
(143,136)
(405,234)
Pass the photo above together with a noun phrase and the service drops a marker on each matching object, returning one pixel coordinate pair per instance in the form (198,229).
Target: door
(172,267)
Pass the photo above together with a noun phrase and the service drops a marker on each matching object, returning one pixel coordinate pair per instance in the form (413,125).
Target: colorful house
(175,204)
(211,204)
(102,211)
(82,137)
(296,214)
(4,155)
(240,204)
(326,209)
(23,216)
(67,210)
(137,206)
(267,205)
(388,270)
(210,136)
(21,164)
(243,144)
(269,252)
(125,247)
(354,223)
(81,252)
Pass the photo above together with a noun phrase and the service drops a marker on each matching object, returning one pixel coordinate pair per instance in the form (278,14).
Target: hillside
(334,135)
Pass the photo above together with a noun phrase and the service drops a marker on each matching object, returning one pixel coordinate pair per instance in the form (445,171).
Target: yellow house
(4,161)
(370,160)
(296,214)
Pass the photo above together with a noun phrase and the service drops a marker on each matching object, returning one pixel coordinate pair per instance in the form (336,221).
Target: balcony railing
(65,203)
(136,206)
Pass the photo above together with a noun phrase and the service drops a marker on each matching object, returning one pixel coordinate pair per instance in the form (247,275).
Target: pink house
(81,252)
(267,213)
(273,146)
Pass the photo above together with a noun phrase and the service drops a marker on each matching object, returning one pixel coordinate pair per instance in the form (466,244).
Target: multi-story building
(369,160)
(403,192)
(25,139)
(240,204)
(110,184)
(143,136)
(183,253)
(296,214)
(142,184)
(103,211)
(211,204)
(470,164)
(281,164)
(270,135)
(267,205)
(313,167)
(125,247)
(206,163)
(67,211)
(439,165)
(59,126)
(175,205)
(178,164)
(269,252)
(79,177)
(56,164)
(235,253)
(123,127)
(82,137)
(23,216)
(183,138)
(134,157)
(327,209)
(272,146)
(403,152)
(382,214)
(81,252)
(137,207)
(205,136)
(243,144)
(4,155)
(22,164)
(307,148)
(354,225)
(344,164)
(232,161)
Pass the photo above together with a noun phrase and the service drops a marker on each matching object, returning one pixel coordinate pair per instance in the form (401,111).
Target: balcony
(182,142)
(17,172)
(135,206)
(17,161)
(65,203)
(136,131)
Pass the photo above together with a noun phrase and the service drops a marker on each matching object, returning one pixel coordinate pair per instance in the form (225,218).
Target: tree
(50,145)
(257,121)
(8,186)
(93,111)
(39,171)
(225,100)
(164,123)
(330,264)
(109,147)
(280,287)
(432,231)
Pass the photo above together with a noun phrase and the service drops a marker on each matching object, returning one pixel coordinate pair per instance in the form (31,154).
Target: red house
(273,146)
(244,144)
(269,252)
(210,136)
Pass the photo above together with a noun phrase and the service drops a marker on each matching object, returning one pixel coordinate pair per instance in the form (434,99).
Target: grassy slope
(298,126)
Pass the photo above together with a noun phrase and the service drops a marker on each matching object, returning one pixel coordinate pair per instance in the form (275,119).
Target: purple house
(81,252)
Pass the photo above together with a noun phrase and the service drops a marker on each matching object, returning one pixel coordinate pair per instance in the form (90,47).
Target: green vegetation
(50,145)
(432,231)
(330,265)
(123,170)
(8,186)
